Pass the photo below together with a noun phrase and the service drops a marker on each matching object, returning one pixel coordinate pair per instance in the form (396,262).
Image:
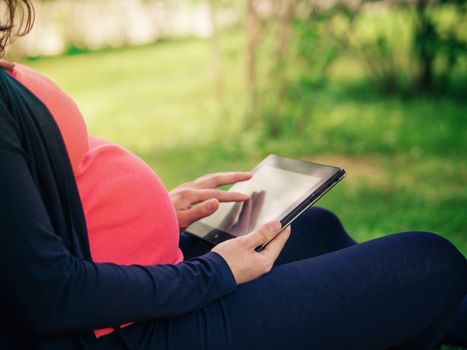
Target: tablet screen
(270,192)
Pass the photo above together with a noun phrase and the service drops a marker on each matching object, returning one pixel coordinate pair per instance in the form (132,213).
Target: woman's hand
(204,191)
(247,264)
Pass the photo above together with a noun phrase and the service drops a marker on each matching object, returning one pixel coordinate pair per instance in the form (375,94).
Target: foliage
(322,77)
(436,41)
(405,157)
(412,47)
(406,47)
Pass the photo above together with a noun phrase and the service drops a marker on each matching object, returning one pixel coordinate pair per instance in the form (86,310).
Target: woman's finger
(187,217)
(263,234)
(184,185)
(221,179)
(274,248)
(200,195)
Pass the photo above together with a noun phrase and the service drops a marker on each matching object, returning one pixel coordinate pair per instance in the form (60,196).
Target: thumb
(263,234)
(187,217)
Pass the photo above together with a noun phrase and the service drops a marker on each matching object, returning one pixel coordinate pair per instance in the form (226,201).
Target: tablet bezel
(329,177)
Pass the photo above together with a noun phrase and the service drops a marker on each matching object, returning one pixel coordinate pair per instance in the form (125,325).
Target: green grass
(405,158)
(381,194)
(139,97)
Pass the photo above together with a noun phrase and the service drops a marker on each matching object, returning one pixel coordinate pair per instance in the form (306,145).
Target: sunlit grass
(153,96)
(381,194)
(405,157)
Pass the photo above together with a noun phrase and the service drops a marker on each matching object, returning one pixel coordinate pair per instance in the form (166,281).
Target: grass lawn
(405,158)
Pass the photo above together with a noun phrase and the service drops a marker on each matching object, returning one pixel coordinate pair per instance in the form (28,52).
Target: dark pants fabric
(402,291)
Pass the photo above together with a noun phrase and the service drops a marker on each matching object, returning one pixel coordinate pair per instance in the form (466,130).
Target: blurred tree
(299,40)
(306,45)
(286,17)
(252,30)
(438,43)
(430,42)
(219,88)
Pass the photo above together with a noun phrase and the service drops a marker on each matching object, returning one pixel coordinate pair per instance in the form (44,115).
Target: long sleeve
(50,291)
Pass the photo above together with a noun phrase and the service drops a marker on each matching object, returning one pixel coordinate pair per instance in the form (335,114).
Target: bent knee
(325,227)
(321,215)
(432,241)
(440,254)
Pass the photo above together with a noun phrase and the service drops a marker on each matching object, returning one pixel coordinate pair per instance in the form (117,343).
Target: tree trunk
(285,30)
(425,41)
(218,74)
(252,28)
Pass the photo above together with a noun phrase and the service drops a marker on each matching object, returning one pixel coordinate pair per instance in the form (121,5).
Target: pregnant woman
(92,257)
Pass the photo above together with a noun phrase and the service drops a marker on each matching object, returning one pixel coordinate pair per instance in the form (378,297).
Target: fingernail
(212,204)
(274,225)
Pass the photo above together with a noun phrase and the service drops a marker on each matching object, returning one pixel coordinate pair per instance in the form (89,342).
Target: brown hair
(8,27)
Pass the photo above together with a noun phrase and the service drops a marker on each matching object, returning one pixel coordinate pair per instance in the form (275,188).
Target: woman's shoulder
(63,109)
(32,78)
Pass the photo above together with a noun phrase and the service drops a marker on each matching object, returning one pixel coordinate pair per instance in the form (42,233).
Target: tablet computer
(280,189)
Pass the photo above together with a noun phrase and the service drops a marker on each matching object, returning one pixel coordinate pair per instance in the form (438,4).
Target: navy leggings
(326,292)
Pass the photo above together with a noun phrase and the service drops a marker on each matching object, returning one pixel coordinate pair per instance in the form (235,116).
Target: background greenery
(376,87)
(405,157)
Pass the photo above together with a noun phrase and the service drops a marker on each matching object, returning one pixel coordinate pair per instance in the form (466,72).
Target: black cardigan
(52,295)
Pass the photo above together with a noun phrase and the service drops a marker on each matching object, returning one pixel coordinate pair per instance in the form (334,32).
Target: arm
(50,291)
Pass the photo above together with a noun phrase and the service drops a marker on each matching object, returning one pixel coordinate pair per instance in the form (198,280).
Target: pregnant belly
(129,215)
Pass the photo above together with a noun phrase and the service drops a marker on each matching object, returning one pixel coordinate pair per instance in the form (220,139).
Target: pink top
(129,214)
(63,109)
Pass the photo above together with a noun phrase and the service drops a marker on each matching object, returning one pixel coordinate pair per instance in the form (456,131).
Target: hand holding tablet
(245,263)
(280,189)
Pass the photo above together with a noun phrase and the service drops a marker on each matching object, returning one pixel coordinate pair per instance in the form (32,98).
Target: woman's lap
(316,232)
(457,332)
(367,296)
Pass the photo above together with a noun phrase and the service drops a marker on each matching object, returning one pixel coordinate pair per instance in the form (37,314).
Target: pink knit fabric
(62,107)
(129,214)
(130,217)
